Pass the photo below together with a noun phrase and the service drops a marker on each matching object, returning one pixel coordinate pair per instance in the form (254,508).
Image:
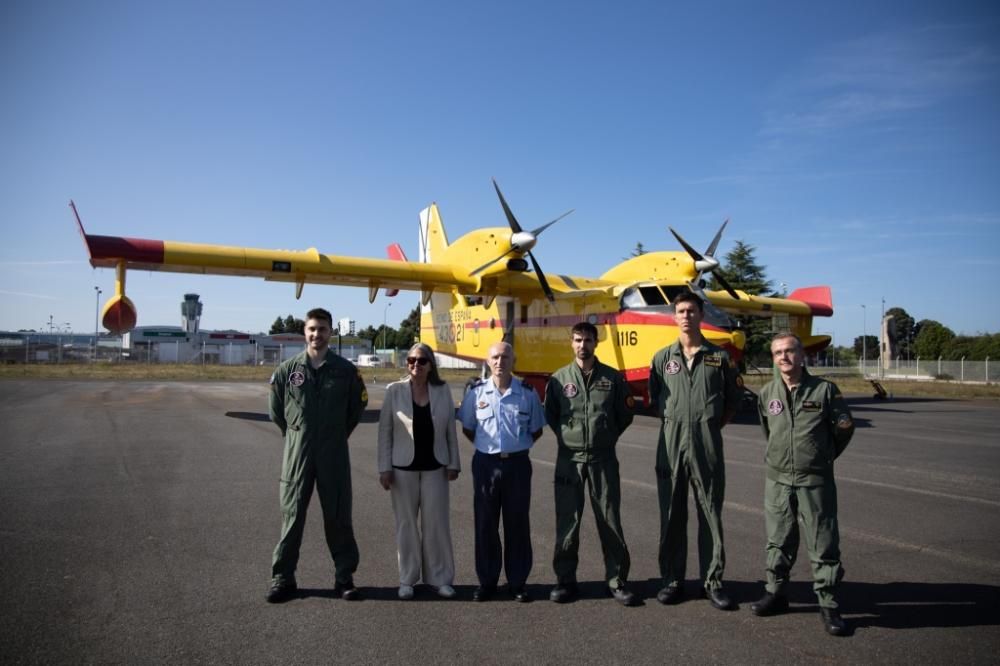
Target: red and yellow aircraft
(478,290)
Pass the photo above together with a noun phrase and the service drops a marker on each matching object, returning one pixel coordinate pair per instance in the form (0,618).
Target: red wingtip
(395,252)
(819,300)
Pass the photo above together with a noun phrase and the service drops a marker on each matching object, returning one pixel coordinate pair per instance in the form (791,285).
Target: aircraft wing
(312,267)
(810,301)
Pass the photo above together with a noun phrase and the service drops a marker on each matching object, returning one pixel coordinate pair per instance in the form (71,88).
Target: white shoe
(446,591)
(405,591)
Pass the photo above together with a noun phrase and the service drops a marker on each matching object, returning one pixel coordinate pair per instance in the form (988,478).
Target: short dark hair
(688,297)
(320,313)
(584,327)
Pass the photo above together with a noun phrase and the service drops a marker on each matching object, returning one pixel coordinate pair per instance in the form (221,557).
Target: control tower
(190,313)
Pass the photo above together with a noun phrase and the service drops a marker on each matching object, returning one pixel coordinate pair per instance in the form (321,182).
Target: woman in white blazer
(417,457)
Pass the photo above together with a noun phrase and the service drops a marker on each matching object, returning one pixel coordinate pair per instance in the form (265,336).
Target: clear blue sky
(854,144)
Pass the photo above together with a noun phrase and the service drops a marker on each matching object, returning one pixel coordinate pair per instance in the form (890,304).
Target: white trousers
(424,547)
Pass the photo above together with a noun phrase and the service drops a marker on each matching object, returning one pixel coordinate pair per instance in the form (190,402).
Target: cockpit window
(652,295)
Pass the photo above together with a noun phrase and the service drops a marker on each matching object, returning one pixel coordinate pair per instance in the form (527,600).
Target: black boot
(832,622)
(769,604)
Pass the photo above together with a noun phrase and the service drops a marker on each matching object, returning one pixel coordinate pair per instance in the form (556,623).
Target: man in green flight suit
(316,399)
(692,384)
(807,425)
(588,405)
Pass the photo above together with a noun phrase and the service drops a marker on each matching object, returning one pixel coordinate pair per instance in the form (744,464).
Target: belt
(503,455)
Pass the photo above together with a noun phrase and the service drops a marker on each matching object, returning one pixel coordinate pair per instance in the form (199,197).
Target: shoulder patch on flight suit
(844,421)
(630,402)
(713,360)
(297,378)
(810,405)
(570,390)
(775,407)
(672,368)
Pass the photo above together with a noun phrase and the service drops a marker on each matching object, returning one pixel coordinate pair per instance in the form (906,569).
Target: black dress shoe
(670,595)
(280,592)
(719,599)
(520,594)
(563,593)
(832,622)
(769,604)
(484,593)
(623,596)
(347,591)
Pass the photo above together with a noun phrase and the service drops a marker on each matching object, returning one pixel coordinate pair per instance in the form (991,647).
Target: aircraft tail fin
(433,240)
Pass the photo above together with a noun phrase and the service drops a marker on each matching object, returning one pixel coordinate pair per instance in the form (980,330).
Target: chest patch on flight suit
(672,368)
(297,378)
(570,390)
(775,407)
(603,385)
(810,405)
(714,361)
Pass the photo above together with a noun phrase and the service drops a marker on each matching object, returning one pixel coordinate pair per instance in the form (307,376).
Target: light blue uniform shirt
(503,423)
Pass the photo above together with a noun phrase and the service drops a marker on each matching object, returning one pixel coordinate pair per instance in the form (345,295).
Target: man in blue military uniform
(502,417)
(316,399)
(692,384)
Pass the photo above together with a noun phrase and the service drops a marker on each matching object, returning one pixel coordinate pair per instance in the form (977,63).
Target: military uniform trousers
(816,507)
(502,488)
(601,479)
(423,533)
(708,486)
(329,470)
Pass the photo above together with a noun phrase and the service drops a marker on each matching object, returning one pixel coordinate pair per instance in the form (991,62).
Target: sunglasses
(413,360)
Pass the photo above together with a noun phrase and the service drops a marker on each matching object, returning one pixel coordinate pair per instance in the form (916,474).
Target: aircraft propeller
(707,263)
(521,242)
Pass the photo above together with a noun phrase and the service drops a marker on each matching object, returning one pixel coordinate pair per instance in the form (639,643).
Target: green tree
(973,348)
(368,335)
(904,325)
(866,346)
(741,270)
(289,324)
(409,329)
(637,251)
(932,340)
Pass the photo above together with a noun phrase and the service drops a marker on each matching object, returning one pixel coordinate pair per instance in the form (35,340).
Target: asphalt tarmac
(137,522)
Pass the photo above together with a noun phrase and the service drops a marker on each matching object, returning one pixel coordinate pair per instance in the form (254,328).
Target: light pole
(385,311)
(864,339)
(97,312)
(882,343)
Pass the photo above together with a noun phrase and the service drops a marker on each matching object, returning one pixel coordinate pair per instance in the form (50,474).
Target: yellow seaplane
(479,290)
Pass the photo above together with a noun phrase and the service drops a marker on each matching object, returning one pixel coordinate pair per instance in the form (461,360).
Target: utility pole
(864,339)
(97,312)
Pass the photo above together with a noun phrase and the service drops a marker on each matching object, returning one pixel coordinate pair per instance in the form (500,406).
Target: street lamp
(864,339)
(385,311)
(97,312)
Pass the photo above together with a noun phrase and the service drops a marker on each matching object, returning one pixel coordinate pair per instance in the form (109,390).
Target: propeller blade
(541,279)
(725,285)
(690,250)
(539,230)
(492,261)
(714,313)
(511,220)
(715,241)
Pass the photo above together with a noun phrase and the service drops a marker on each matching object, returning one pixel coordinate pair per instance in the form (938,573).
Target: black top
(423,441)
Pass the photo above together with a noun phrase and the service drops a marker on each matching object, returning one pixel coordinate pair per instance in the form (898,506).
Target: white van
(369,361)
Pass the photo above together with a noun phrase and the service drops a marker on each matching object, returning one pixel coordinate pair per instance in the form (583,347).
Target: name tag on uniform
(811,405)
(603,385)
(713,361)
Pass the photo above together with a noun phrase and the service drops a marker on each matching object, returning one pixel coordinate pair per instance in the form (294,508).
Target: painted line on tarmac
(991,565)
(890,486)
